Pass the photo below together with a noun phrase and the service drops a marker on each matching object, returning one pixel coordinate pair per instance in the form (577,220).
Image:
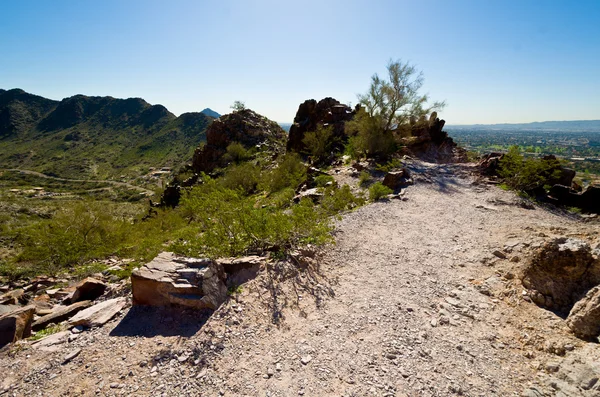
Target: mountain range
(95,137)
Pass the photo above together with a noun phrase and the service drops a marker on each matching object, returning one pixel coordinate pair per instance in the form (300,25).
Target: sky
(491,61)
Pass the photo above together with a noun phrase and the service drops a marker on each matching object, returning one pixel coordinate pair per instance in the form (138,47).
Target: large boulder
(246,127)
(16,325)
(590,199)
(173,280)
(584,318)
(560,273)
(426,139)
(312,114)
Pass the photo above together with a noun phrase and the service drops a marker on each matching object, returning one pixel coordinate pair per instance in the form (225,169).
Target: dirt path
(114,183)
(394,309)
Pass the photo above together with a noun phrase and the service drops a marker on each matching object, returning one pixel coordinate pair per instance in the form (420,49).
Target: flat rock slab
(16,325)
(173,280)
(60,314)
(49,342)
(99,314)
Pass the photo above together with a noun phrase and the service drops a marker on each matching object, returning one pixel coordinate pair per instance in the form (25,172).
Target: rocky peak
(246,127)
(20,111)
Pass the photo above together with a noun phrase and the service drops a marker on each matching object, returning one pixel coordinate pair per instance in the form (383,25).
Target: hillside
(94,137)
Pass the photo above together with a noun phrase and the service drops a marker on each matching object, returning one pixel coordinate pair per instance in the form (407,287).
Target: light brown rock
(88,289)
(584,318)
(99,314)
(171,280)
(60,314)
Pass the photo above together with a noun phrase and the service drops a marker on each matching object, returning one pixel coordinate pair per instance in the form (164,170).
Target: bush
(319,143)
(364,179)
(244,177)
(237,153)
(368,138)
(323,180)
(290,172)
(522,173)
(378,190)
(338,200)
(229,224)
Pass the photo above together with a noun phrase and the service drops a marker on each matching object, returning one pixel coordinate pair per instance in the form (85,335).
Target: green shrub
(237,153)
(378,190)
(229,224)
(290,172)
(337,200)
(323,180)
(522,173)
(244,177)
(364,179)
(319,143)
(389,166)
(369,138)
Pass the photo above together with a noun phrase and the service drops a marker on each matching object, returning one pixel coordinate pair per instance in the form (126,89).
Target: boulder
(173,280)
(99,314)
(16,325)
(584,318)
(240,270)
(489,163)
(397,179)
(88,289)
(560,272)
(60,314)
(328,111)
(245,127)
(590,199)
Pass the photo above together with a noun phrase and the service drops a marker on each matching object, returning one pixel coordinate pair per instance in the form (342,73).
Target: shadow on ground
(152,321)
(443,177)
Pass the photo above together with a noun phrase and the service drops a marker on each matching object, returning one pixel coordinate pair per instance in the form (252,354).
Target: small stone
(499,254)
(71,356)
(278,367)
(434,323)
(306,359)
(270,372)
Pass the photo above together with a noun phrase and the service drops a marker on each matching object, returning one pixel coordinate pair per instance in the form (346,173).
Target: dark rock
(561,271)
(489,163)
(88,289)
(590,199)
(245,127)
(311,114)
(13,297)
(16,325)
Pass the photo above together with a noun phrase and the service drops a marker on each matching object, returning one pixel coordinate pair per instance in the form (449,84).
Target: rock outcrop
(173,280)
(560,273)
(16,325)
(311,114)
(60,314)
(427,140)
(588,201)
(584,318)
(88,289)
(245,127)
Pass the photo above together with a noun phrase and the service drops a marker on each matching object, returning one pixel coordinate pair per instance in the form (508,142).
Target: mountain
(94,137)
(211,113)
(565,126)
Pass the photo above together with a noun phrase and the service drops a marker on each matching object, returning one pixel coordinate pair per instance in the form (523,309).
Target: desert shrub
(236,152)
(75,234)
(378,190)
(319,143)
(337,200)
(323,180)
(364,179)
(290,172)
(282,198)
(389,166)
(229,224)
(522,173)
(369,138)
(244,177)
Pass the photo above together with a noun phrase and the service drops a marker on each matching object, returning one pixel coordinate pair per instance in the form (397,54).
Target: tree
(389,104)
(238,106)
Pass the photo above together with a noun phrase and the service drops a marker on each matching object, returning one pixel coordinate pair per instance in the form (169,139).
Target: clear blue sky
(492,61)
